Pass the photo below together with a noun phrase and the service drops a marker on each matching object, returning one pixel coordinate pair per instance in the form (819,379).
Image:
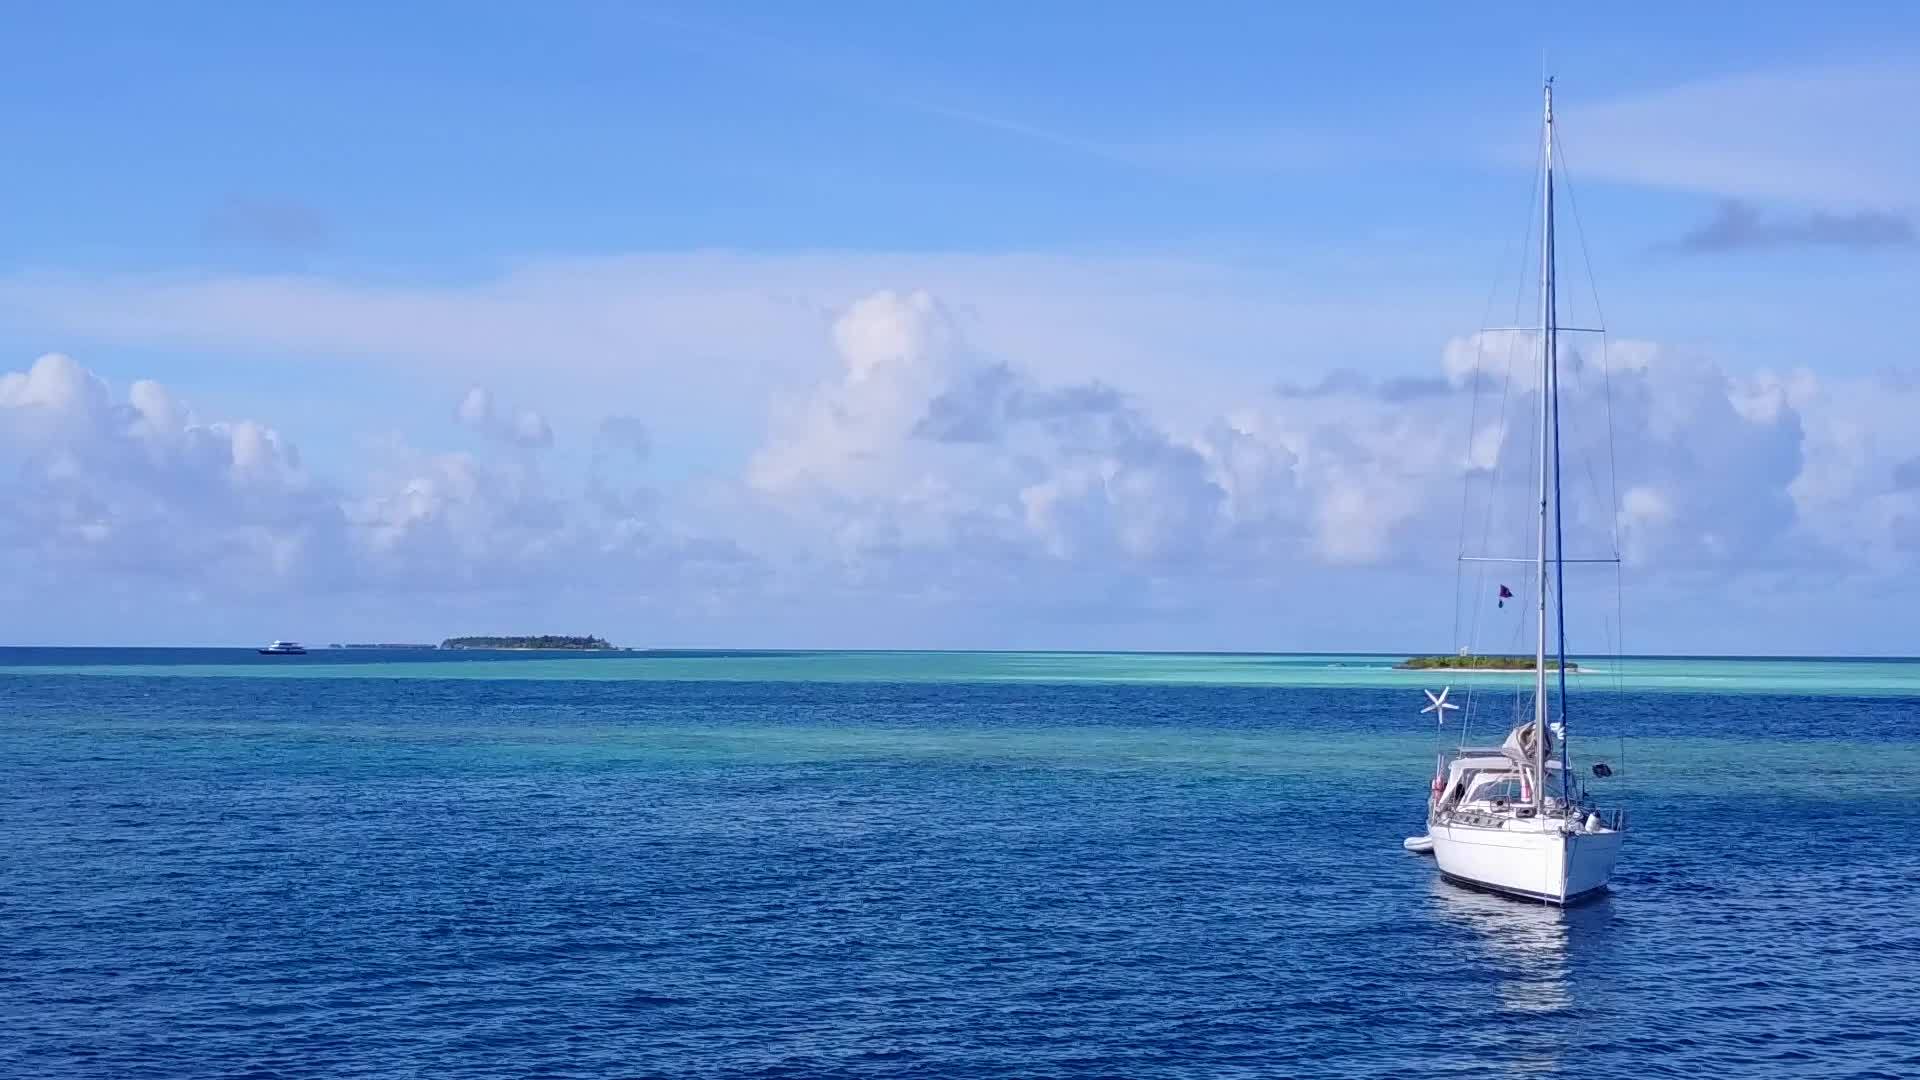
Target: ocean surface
(385,864)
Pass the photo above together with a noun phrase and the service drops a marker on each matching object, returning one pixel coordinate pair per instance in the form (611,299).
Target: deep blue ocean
(408,866)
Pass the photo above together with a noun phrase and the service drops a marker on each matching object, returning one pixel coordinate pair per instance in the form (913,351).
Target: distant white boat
(283,648)
(1513,818)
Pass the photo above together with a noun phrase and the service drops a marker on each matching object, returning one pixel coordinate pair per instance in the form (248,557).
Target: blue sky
(778,240)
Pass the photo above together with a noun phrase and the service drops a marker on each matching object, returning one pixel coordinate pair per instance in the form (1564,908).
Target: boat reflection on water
(1527,952)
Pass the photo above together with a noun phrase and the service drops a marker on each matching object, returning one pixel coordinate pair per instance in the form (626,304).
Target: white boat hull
(1549,866)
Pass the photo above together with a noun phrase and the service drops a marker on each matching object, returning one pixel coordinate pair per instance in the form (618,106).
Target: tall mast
(1559,537)
(1549,435)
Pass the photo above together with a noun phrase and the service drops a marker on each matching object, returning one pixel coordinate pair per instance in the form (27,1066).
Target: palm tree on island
(1468,662)
(538,641)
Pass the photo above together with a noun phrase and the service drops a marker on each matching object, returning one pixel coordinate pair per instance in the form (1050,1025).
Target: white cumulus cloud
(928,480)
(523,427)
(141,485)
(923,442)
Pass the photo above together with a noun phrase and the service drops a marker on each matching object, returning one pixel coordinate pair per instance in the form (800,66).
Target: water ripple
(294,878)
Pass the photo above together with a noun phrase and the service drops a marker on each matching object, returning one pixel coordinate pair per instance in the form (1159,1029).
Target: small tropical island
(1478,663)
(538,641)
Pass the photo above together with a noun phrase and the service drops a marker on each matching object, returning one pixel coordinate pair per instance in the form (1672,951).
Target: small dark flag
(1506,594)
(1602,769)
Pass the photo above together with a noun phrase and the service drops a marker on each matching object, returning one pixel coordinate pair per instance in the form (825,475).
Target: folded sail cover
(1521,739)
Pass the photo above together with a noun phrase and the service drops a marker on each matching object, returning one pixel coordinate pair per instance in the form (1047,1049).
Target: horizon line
(793,650)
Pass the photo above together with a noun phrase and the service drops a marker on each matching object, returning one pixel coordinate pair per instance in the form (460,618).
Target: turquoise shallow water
(1719,675)
(922,865)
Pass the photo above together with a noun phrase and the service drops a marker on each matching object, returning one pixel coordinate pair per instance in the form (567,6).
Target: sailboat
(1513,818)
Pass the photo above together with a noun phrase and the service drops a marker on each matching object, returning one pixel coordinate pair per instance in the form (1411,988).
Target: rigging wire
(1473,424)
(1613,458)
(1477,595)
(1612,630)
(1606,370)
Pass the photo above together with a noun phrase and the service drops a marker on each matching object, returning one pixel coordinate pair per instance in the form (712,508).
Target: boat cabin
(1498,780)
